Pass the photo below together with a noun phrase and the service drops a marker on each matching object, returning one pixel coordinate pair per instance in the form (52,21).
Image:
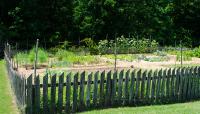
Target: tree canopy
(53,21)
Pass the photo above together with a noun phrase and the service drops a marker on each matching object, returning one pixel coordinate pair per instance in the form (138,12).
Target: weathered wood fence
(73,92)
(18,82)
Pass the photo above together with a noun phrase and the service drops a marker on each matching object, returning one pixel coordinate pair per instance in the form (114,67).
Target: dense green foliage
(127,45)
(29,57)
(187,54)
(165,21)
(73,58)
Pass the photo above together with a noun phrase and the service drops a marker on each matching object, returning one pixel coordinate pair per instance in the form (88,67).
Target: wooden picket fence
(17,81)
(81,91)
(75,92)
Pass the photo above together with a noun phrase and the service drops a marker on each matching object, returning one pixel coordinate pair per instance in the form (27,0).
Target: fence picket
(193,83)
(29,95)
(95,94)
(131,97)
(37,94)
(82,91)
(137,94)
(88,90)
(126,94)
(168,84)
(196,82)
(53,94)
(108,89)
(198,76)
(102,88)
(75,93)
(185,84)
(158,85)
(147,96)
(177,83)
(189,83)
(143,84)
(173,77)
(68,93)
(114,82)
(120,86)
(163,85)
(45,93)
(60,93)
(153,86)
(180,97)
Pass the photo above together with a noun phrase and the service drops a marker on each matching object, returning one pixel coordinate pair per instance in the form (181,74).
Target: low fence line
(18,82)
(71,93)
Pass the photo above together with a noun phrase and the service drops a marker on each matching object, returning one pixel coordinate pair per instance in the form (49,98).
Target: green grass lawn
(182,108)
(7,105)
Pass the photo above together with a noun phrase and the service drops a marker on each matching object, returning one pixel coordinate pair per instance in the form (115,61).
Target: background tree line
(53,21)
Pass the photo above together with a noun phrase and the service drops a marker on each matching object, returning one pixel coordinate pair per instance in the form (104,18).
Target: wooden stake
(36,57)
(181,53)
(115,52)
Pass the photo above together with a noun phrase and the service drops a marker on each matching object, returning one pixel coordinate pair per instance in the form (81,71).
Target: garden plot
(106,62)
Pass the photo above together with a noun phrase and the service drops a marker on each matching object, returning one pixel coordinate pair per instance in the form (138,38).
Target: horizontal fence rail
(80,91)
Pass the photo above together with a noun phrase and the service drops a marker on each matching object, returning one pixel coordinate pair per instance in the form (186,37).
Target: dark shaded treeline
(53,21)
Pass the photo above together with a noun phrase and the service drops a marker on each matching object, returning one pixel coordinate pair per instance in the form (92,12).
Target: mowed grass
(180,108)
(7,105)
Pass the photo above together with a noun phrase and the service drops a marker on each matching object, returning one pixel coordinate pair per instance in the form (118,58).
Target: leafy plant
(91,45)
(42,55)
(73,58)
(127,45)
